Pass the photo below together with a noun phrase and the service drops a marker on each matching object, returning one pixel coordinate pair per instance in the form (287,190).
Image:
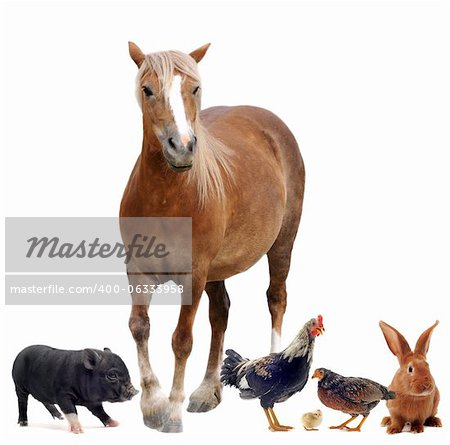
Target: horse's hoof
(23,422)
(156,418)
(200,407)
(204,399)
(156,410)
(172,426)
(156,421)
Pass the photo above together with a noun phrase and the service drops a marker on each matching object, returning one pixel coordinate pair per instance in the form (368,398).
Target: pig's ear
(91,358)
(107,349)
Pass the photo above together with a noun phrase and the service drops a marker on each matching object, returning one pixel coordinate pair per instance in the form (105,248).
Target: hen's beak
(321,330)
(316,374)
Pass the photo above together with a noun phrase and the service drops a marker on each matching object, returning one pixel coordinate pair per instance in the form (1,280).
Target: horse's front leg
(155,405)
(182,346)
(209,394)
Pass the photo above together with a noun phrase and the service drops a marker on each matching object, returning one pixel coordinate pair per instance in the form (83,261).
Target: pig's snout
(130,392)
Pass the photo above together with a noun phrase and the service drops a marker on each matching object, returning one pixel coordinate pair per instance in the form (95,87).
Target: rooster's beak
(321,330)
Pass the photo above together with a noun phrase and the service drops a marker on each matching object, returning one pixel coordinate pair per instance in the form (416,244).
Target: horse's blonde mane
(212,163)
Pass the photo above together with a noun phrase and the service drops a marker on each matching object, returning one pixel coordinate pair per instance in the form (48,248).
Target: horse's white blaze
(276,341)
(177,105)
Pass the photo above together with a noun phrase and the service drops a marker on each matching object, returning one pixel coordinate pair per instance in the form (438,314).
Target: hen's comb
(320,319)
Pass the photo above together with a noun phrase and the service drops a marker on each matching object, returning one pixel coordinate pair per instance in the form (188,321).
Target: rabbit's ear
(423,343)
(396,342)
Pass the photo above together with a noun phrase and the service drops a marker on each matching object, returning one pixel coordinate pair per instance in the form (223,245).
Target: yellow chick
(312,420)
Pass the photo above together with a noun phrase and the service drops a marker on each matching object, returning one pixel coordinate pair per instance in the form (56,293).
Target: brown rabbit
(417,395)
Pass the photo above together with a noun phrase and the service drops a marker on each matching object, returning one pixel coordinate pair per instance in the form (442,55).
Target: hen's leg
(343,425)
(358,428)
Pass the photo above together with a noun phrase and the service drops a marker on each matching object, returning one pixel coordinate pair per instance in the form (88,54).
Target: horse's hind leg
(209,394)
(279,257)
(53,411)
(155,405)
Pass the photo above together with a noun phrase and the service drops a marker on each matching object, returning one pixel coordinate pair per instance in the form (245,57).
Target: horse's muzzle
(179,157)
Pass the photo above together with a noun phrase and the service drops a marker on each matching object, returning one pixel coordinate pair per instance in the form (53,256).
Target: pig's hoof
(23,422)
(205,398)
(112,423)
(76,429)
(172,426)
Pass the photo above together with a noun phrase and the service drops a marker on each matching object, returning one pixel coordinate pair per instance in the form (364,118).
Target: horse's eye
(196,90)
(147,91)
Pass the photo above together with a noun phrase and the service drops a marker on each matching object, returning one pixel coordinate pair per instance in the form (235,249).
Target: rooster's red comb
(320,320)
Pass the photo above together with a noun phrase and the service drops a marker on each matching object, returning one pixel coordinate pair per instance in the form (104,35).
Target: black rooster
(276,377)
(351,395)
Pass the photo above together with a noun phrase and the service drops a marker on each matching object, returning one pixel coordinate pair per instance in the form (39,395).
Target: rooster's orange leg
(358,428)
(343,425)
(276,422)
(274,426)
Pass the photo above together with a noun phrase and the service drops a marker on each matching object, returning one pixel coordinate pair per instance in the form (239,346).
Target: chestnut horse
(238,172)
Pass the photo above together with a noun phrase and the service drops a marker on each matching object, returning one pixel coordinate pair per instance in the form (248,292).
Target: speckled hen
(351,395)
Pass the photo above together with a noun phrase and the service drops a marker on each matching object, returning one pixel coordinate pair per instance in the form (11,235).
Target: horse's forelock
(165,63)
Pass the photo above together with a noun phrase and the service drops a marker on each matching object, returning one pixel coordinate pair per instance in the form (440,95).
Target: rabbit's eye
(410,369)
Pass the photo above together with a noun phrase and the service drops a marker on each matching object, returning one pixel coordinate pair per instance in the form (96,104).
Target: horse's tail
(230,367)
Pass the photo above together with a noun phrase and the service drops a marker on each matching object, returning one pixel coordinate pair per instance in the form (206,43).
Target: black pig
(69,378)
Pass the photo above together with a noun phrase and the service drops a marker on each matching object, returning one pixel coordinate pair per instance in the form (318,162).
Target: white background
(362,85)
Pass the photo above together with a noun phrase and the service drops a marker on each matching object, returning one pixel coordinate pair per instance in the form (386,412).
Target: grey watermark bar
(98,289)
(96,245)
(98,261)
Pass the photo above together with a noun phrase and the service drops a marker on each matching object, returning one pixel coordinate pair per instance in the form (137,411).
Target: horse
(238,173)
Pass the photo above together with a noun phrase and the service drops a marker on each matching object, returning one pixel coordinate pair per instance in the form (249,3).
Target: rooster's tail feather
(230,365)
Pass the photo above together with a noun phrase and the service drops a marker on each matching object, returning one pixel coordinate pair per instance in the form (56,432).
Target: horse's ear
(136,54)
(199,53)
